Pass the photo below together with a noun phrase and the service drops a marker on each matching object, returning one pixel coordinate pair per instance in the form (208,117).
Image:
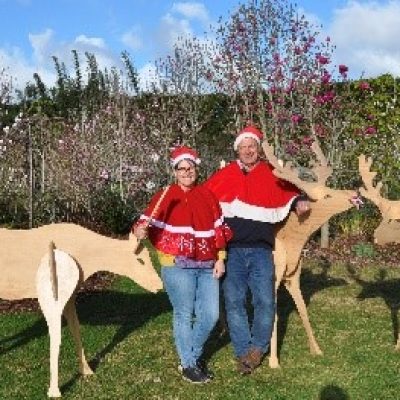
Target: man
(252,200)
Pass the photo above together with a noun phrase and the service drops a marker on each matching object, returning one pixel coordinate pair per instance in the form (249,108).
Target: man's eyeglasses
(185,169)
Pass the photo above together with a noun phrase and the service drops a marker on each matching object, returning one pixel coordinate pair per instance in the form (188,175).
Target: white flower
(104,174)
(155,157)
(150,185)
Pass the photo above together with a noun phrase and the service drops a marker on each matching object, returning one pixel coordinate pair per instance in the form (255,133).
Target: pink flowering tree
(272,64)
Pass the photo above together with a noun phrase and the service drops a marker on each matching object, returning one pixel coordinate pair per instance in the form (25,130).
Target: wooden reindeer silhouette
(60,272)
(388,230)
(294,232)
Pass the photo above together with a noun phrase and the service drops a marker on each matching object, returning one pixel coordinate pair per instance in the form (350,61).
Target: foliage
(357,222)
(102,131)
(363,249)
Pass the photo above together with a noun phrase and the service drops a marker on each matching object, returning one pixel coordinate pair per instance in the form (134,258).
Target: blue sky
(31,31)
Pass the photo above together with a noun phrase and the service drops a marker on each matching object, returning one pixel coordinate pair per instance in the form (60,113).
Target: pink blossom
(209,75)
(297,50)
(325,98)
(319,130)
(343,69)
(364,85)
(370,130)
(277,58)
(322,59)
(292,148)
(296,118)
(307,141)
(104,174)
(326,77)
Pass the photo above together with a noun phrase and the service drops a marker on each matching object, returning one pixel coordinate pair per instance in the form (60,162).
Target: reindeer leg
(398,343)
(280,267)
(293,287)
(273,357)
(54,324)
(73,325)
(52,299)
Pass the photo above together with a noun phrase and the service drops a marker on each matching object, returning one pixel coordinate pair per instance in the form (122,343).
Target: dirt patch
(355,250)
(94,284)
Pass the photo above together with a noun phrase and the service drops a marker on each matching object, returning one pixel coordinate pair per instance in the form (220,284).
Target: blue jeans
(249,268)
(194,295)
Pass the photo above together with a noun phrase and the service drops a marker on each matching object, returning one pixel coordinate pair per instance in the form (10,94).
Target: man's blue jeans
(249,268)
(194,295)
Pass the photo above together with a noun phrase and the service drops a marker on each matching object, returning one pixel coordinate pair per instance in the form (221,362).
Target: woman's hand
(141,231)
(219,269)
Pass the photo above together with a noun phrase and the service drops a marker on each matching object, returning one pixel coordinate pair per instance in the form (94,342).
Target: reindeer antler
(314,190)
(322,171)
(389,209)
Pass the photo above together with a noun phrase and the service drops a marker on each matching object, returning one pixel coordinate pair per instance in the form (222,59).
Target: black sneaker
(194,375)
(203,367)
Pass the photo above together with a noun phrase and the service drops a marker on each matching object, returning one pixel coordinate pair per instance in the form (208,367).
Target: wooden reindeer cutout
(294,232)
(389,229)
(60,272)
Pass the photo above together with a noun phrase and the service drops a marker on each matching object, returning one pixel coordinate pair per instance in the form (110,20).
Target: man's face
(248,152)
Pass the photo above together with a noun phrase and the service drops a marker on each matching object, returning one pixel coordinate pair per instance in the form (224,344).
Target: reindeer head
(389,229)
(140,267)
(315,190)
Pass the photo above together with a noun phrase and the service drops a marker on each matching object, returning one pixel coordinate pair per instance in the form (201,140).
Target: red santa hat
(250,131)
(184,153)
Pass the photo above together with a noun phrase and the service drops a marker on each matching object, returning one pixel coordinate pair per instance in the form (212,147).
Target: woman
(188,232)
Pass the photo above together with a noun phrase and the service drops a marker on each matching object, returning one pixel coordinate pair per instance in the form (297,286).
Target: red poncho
(189,223)
(258,195)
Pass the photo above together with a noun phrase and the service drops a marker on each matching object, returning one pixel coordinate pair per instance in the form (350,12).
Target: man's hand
(141,231)
(302,207)
(219,269)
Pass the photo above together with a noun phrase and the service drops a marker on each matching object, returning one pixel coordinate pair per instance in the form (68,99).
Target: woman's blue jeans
(249,268)
(194,295)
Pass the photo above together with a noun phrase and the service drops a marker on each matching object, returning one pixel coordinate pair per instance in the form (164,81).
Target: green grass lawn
(127,337)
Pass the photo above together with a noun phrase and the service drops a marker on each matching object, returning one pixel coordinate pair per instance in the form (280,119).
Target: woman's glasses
(185,169)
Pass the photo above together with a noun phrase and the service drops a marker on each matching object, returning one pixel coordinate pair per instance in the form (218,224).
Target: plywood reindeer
(294,232)
(388,230)
(60,272)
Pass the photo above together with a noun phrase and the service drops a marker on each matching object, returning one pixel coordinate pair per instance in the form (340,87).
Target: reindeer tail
(53,270)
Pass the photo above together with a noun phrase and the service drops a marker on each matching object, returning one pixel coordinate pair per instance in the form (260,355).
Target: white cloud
(191,10)
(45,46)
(366,35)
(41,43)
(148,77)
(132,39)
(169,31)
(22,70)
(91,41)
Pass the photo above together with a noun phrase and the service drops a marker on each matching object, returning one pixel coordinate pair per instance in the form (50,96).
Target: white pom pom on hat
(184,153)
(250,131)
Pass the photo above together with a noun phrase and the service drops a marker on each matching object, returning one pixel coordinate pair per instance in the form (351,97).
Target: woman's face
(185,174)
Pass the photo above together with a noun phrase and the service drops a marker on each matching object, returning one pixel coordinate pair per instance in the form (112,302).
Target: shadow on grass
(38,329)
(333,392)
(128,311)
(310,284)
(381,287)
